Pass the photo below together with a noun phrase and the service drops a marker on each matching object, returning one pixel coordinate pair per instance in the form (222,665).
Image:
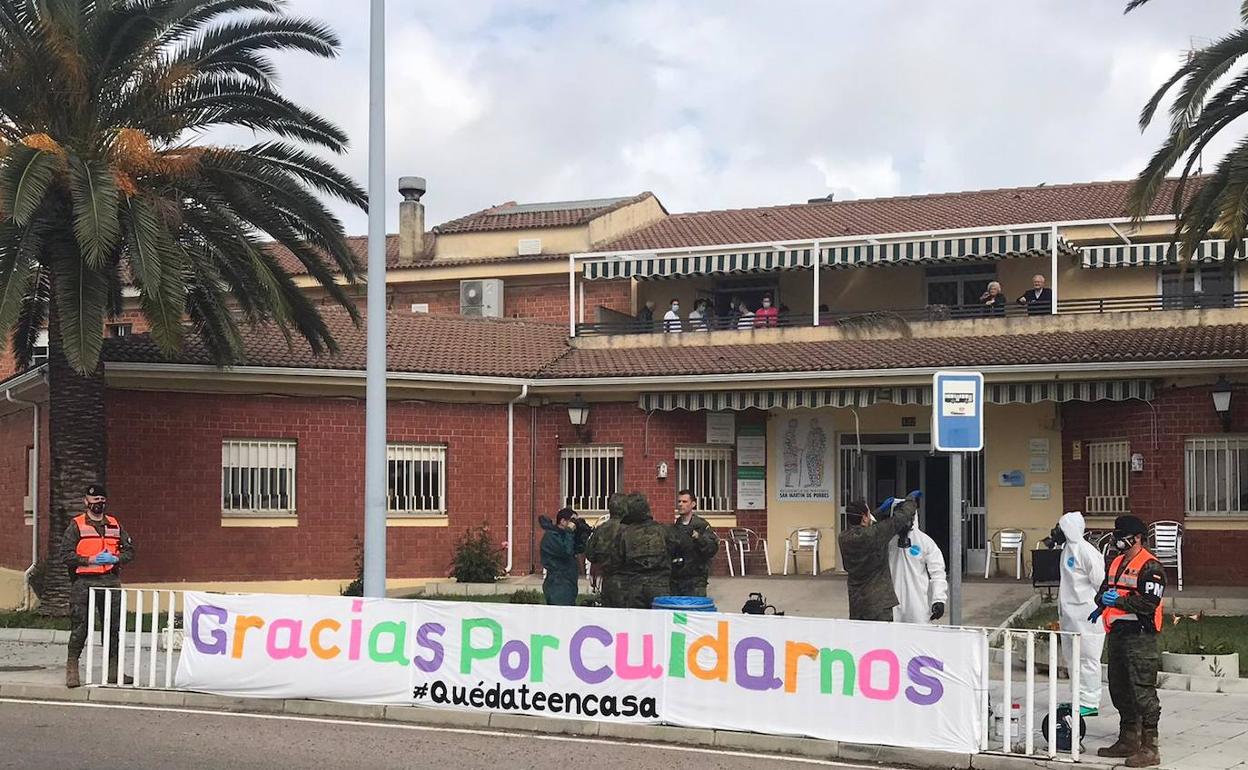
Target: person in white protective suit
(1082,572)
(919,579)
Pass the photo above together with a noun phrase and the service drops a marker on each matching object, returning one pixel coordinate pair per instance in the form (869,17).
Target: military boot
(71,673)
(112,674)
(1128,742)
(1148,755)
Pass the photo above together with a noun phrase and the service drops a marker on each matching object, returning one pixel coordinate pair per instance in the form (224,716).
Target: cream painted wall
(872,288)
(10,589)
(560,240)
(1007,431)
(624,220)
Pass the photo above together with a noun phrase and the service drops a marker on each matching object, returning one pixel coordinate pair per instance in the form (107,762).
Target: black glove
(938,610)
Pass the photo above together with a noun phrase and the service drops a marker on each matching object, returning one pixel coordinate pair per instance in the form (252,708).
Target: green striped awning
(1154,254)
(967,249)
(645,267)
(915,251)
(1011,393)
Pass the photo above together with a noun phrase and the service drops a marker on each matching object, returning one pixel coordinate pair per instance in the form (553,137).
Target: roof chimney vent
(825,199)
(412,187)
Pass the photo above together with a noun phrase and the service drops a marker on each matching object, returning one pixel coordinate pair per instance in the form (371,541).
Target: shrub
(38,578)
(356,587)
(477,558)
(527,596)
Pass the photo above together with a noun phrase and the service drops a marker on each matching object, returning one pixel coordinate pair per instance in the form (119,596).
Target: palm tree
(1210,97)
(106,183)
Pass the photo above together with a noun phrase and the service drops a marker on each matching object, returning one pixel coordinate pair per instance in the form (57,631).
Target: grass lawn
(1232,629)
(15,619)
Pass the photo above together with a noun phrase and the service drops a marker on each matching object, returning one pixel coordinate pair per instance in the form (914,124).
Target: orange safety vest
(90,543)
(1126,582)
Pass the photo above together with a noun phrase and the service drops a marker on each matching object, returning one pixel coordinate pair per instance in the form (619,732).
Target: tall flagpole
(375,393)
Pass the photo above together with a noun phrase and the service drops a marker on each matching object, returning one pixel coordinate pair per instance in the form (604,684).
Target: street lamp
(1222,401)
(578,415)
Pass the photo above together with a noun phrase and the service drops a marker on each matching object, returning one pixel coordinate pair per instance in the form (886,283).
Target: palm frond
(81,296)
(157,266)
(25,177)
(16,272)
(96,226)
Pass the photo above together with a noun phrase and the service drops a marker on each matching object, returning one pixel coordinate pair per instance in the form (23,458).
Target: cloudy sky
(719,104)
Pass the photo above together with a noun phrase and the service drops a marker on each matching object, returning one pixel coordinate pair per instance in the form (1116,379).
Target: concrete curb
(725,739)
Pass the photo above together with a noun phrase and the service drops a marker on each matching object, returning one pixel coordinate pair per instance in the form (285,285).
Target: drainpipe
(511,480)
(533,489)
(27,602)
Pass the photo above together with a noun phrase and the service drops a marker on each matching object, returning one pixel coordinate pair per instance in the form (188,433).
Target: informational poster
(752,446)
(751,489)
(904,685)
(958,399)
(805,460)
(721,427)
(1038,464)
(1040,492)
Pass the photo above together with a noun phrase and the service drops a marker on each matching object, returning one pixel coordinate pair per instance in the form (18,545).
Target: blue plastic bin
(683,603)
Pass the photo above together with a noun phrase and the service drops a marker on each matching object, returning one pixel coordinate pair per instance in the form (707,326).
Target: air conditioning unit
(529,246)
(481,298)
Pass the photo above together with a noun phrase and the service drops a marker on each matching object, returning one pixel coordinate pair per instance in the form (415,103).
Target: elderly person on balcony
(992,299)
(1038,299)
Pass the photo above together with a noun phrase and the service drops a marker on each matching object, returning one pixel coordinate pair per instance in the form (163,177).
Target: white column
(571,295)
(1053,268)
(818,264)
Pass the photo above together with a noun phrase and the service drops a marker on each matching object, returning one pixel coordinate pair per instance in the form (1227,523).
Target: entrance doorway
(874,467)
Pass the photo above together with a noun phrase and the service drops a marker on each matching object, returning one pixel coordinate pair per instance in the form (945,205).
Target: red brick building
(1102,401)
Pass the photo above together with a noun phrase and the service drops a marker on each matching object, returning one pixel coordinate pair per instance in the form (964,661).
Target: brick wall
(165,483)
(164,480)
(645,445)
(15,440)
(1159,491)
(541,301)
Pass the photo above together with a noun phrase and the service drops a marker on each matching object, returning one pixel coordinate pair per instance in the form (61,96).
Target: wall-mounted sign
(752,446)
(1040,492)
(1076,450)
(721,427)
(805,460)
(1011,479)
(957,411)
(1038,464)
(751,489)
(1038,446)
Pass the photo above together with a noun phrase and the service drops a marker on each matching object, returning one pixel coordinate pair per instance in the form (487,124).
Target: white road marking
(435,729)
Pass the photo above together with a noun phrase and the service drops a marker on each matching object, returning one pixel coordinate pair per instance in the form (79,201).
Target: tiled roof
(357,243)
(513,348)
(522,216)
(1142,345)
(877,216)
(485,347)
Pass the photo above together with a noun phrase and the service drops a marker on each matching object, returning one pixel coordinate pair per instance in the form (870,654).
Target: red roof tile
(1134,345)
(429,344)
(516,216)
(875,216)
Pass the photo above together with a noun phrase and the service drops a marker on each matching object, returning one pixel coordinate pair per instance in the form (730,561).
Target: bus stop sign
(958,411)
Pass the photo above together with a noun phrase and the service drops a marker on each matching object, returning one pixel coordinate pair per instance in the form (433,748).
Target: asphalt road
(72,736)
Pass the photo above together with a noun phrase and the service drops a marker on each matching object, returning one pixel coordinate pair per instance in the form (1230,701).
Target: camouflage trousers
(692,585)
(79,598)
(1134,658)
(634,591)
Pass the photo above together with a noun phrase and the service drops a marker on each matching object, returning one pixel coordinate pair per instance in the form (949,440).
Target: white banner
(891,684)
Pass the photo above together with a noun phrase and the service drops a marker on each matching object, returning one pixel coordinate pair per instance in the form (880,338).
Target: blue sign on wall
(958,411)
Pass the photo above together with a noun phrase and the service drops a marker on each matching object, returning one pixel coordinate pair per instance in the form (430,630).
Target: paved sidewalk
(1200,731)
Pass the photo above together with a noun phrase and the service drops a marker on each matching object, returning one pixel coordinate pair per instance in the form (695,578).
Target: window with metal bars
(1109,473)
(416,479)
(1216,474)
(708,472)
(589,475)
(257,477)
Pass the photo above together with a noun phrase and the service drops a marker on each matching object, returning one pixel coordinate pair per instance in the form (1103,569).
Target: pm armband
(1153,588)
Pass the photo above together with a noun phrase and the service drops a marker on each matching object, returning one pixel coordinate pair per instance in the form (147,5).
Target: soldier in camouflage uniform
(695,546)
(636,556)
(601,550)
(864,552)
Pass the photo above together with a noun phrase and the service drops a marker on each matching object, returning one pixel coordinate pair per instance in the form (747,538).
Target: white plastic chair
(1006,543)
(1165,541)
(727,543)
(747,541)
(803,540)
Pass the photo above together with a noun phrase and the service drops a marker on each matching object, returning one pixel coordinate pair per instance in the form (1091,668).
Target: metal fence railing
(149,646)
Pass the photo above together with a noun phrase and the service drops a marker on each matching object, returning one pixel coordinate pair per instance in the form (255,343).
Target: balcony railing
(935,313)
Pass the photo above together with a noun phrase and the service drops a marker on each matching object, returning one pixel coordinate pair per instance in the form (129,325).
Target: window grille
(416,478)
(257,476)
(1216,475)
(589,475)
(708,472)
(1109,471)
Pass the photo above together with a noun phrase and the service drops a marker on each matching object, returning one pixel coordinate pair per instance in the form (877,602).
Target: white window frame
(590,493)
(426,491)
(1216,461)
(1109,478)
(700,468)
(32,472)
(39,351)
(243,465)
(119,330)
